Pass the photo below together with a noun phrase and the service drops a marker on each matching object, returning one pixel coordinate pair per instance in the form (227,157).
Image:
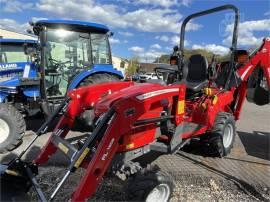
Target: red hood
(105,103)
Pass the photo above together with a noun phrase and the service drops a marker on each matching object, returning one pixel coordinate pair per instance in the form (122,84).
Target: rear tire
(85,120)
(219,141)
(12,127)
(98,78)
(150,186)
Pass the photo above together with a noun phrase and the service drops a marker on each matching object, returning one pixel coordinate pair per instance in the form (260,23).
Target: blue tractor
(68,55)
(15,66)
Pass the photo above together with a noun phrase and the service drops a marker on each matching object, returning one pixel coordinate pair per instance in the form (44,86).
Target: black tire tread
(143,182)
(216,134)
(20,125)
(98,78)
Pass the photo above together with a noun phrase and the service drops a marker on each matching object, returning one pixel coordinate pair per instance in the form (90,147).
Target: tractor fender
(13,82)
(96,69)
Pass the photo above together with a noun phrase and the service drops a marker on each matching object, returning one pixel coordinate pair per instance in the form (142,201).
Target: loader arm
(81,100)
(259,59)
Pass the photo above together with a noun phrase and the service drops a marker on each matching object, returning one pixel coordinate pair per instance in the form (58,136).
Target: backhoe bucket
(258,91)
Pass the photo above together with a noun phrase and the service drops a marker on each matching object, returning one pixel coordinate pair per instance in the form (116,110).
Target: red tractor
(135,122)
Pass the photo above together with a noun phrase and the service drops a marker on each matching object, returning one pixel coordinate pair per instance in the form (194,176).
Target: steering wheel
(166,69)
(170,73)
(61,67)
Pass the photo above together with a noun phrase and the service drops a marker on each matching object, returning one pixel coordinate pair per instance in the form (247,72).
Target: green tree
(163,59)
(133,65)
(189,52)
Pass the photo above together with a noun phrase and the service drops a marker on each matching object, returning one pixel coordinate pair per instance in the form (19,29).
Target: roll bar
(206,12)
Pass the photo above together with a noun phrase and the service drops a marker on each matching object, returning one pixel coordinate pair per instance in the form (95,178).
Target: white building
(120,64)
(14,35)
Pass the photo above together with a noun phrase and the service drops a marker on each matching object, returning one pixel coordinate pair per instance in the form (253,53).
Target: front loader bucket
(14,183)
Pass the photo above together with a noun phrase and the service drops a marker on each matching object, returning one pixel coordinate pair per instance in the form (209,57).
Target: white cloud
(143,19)
(186,2)
(247,31)
(156,46)
(136,49)
(162,38)
(126,33)
(35,19)
(162,3)
(175,40)
(151,55)
(13,6)
(216,49)
(114,41)
(267,13)
(145,55)
(12,25)
(83,10)
(154,20)
(191,26)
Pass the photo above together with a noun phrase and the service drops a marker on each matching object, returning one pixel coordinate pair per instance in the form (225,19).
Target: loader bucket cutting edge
(14,182)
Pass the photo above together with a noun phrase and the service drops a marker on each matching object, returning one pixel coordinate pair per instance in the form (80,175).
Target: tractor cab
(14,59)
(69,48)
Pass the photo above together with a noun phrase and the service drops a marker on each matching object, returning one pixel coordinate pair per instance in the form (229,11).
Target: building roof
(11,34)
(7,40)
(80,25)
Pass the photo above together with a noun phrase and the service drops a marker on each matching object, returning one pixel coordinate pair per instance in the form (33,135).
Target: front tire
(219,141)
(12,127)
(150,186)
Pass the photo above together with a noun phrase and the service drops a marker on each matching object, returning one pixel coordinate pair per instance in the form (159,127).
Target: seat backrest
(197,69)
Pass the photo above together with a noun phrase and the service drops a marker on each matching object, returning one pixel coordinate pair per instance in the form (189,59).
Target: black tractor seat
(197,73)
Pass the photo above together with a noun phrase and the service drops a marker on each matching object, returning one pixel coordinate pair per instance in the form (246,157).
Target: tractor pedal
(67,148)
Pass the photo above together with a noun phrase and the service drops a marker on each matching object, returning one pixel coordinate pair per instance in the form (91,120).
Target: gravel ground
(187,188)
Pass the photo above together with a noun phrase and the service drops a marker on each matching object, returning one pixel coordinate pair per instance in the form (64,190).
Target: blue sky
(148,28)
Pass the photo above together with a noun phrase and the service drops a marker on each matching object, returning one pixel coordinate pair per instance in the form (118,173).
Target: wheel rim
(160,193)
(228,135)
(4,130)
